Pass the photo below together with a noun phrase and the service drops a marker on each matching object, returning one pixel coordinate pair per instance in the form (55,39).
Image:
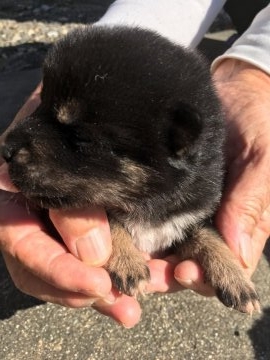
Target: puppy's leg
(221,269)
(126,266)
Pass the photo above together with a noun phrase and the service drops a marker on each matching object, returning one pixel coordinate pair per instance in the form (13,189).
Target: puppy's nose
(7,152)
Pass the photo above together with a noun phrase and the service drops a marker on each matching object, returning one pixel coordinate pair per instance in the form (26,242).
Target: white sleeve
(254,45)
(182,21)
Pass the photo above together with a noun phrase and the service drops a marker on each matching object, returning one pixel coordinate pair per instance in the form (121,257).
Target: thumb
(86,233)
(243,218)
(236,226)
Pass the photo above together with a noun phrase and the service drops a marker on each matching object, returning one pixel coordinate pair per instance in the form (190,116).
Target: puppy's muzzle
(7,152)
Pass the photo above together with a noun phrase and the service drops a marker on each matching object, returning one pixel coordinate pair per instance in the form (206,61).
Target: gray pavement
(176,326)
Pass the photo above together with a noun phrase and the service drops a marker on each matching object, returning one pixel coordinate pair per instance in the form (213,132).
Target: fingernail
(91,301)
(110,298)
(92,248)
(186,283)
(245,250)
(125,326)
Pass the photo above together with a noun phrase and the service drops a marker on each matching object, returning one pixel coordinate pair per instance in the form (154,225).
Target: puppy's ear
(186,126)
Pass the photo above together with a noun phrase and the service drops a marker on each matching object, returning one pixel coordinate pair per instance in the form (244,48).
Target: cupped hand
(44,267)
(244,214)
(243,217)
(57,256)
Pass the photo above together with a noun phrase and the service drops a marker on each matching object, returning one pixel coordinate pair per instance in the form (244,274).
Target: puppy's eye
(80,139)
(82,143)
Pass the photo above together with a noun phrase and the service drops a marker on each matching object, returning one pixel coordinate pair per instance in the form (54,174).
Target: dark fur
(131,122)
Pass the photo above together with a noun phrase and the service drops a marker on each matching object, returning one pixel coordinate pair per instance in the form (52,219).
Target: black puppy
(130,121)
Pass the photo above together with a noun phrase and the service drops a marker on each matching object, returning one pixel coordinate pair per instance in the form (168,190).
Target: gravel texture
(183,326)
(28,27)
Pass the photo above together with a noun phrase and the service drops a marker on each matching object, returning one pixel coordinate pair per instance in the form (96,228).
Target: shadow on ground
(260,342)
(11,299)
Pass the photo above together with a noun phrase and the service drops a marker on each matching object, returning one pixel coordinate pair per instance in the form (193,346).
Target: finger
(51,262)
(5,182)
(86,233)
(190,275)
(170,276)
(31,285)
(162,276)
(23,237)
(258,240)
(126,310)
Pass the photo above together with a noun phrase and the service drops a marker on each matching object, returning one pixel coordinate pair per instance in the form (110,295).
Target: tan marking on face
(68,112)
(135,172)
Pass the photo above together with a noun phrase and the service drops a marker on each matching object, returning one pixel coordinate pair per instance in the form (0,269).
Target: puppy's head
(124,115)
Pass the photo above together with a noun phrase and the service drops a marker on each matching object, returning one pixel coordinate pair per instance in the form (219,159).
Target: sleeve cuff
(181,21)
(253,46)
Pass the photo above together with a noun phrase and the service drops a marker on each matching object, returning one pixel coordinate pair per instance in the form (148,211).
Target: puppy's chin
(44,198)
(49,197)
(32,187)
(54,202)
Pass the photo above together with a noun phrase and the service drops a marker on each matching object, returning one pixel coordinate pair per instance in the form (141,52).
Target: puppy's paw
(126,266)
(131,281)
(232,286)
(222,270)
(239,295)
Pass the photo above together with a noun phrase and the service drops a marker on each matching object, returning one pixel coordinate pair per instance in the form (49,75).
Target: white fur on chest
(151,239)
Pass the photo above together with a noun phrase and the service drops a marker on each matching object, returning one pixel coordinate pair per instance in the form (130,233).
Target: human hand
(244,215)
(67,272)
(243,218)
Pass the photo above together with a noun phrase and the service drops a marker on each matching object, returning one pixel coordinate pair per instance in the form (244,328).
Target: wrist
(230,69)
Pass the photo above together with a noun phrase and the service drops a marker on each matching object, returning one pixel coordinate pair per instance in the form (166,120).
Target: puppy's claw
(245,300)
(253,306)
(133,283)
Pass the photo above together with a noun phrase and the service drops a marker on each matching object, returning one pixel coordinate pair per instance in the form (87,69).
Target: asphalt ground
(175,326)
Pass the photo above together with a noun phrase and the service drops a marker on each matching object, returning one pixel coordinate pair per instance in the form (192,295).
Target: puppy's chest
(153,238)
